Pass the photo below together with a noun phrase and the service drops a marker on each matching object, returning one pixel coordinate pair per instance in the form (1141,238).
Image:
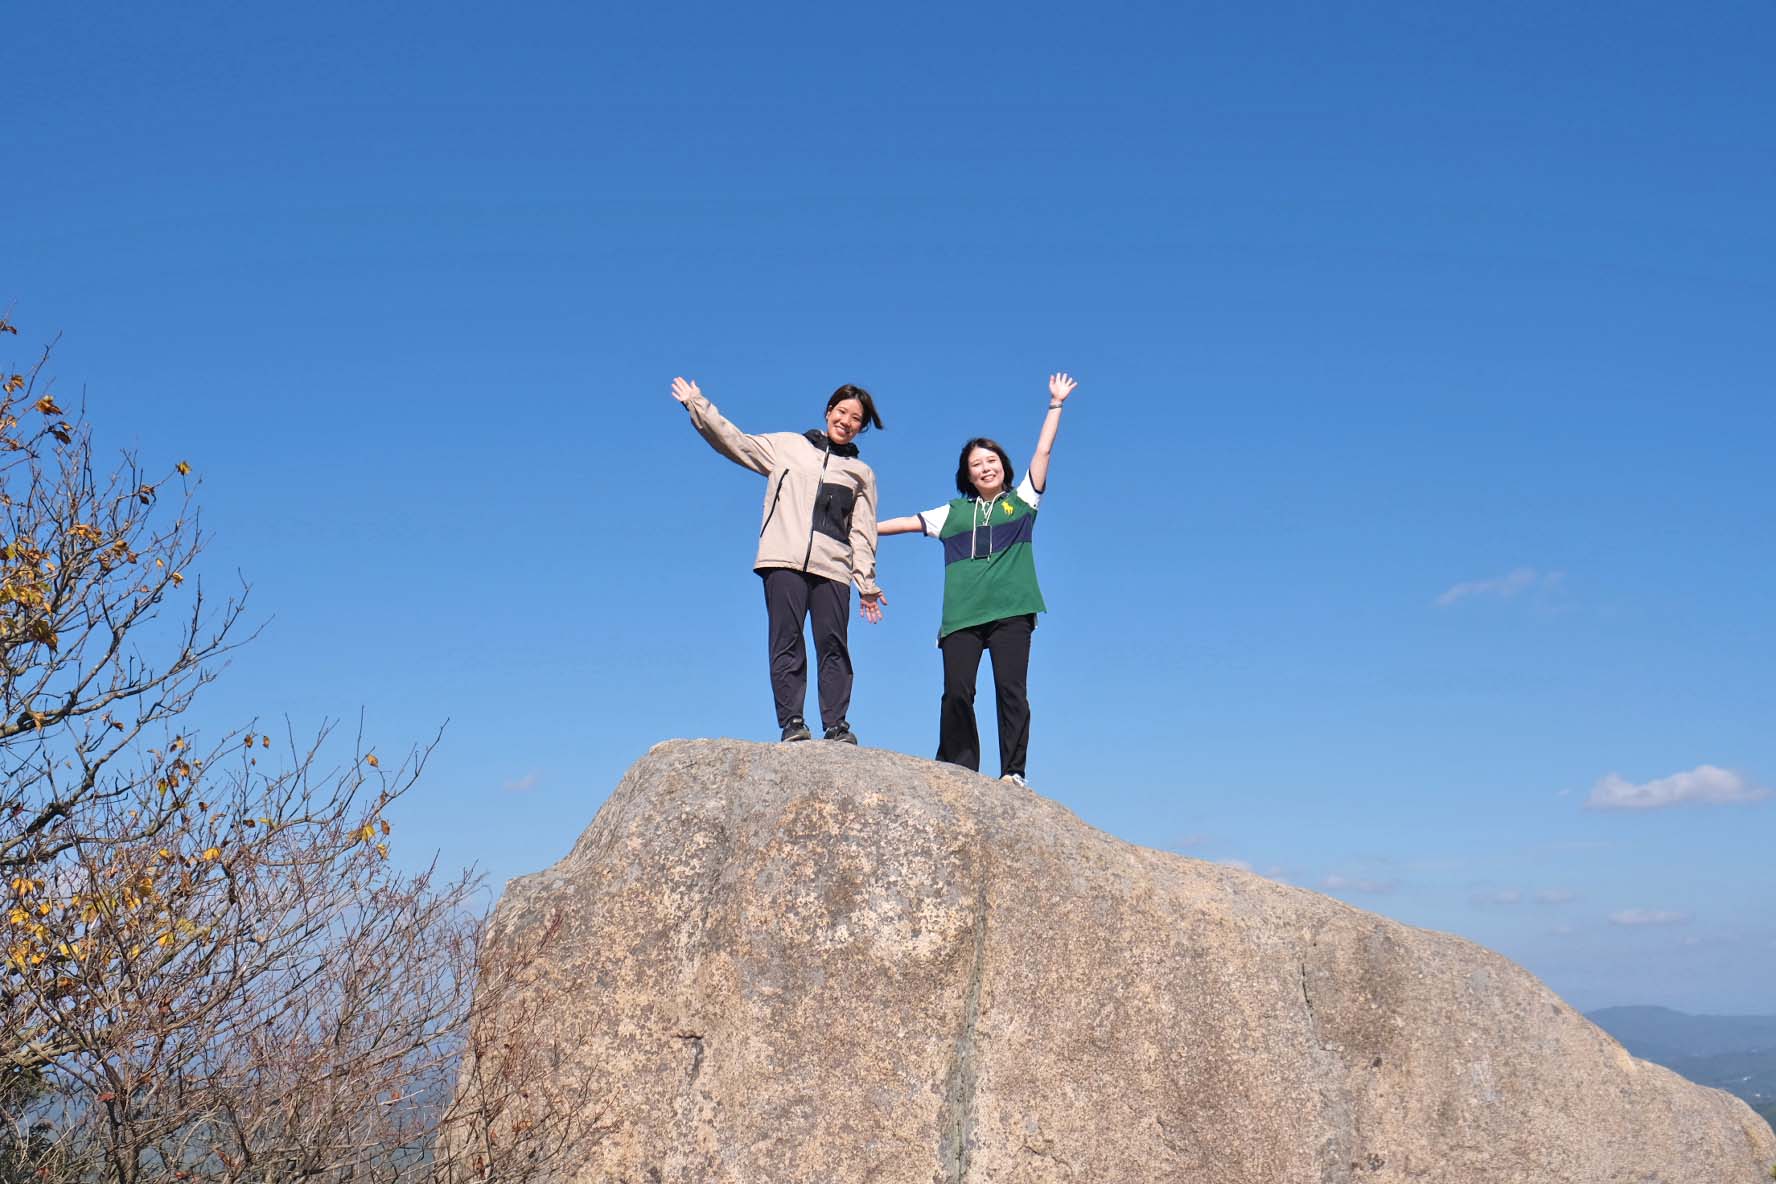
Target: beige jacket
(820,500)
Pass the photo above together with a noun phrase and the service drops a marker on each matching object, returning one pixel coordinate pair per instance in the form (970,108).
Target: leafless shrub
(210,969)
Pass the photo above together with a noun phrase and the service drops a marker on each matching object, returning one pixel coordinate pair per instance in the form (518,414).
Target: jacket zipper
(808,559)
(774,499)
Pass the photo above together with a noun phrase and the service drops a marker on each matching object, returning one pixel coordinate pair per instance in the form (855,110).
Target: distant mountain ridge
(1736,1053)
(1655,1033)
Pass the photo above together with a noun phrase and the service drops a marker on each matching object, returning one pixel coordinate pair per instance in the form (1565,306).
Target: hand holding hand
(870,605)
(1060,386)
(684,391)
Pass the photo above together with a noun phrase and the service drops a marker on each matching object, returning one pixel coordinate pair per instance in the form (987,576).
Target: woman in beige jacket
(818,537)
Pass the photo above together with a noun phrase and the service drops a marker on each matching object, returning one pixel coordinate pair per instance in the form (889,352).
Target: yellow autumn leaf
(211,854)
(184,469)
(372,761)
(367,833)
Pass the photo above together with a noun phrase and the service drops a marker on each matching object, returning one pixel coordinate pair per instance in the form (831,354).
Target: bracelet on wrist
(1054,406)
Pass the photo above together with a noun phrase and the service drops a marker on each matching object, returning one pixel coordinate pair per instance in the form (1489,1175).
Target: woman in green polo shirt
(991,597)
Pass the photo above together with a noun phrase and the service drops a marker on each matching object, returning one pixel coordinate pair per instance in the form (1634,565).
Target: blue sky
(1417,482)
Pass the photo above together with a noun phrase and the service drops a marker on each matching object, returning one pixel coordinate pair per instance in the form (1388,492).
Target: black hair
(862,396)
(964,485)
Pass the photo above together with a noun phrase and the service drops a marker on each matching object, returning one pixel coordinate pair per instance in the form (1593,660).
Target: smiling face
(844,420)
(986,472)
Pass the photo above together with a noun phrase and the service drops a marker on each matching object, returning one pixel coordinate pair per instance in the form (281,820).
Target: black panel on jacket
(832,511)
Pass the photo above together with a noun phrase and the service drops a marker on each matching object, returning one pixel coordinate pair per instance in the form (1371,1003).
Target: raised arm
(1059,387)
(907,525)
(753,452)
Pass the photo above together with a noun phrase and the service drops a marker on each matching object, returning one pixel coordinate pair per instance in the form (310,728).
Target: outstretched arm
(1059,387)
(753,452)
(863,552)
(908,525)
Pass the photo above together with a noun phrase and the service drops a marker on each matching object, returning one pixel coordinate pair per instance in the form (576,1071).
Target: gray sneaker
(841,732)
(1016,779)
(795,729)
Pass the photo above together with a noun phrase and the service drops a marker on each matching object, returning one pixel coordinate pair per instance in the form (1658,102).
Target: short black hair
(849,391)
(964,485)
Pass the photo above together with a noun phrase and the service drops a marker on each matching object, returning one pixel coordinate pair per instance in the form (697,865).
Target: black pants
(792,597)
(958,739)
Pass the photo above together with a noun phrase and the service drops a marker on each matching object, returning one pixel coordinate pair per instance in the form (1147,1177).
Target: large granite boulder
(811,962)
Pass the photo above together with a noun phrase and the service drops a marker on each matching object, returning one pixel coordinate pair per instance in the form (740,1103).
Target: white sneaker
(1016,779)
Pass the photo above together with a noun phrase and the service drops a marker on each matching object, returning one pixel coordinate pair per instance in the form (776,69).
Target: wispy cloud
(1340,883)
(1648,917)
(1703,785)
(1555,896)
(1273,872)
(521,784)
(1513,583)
(1492,896)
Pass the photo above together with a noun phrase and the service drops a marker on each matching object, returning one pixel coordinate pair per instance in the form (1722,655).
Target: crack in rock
(1313,1020)
(956,1122)
(1046,1151)
(696,1042)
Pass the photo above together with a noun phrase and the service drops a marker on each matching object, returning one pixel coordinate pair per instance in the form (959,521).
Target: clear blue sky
(1417,483)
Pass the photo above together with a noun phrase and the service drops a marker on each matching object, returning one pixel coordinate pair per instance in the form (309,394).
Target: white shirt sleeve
(1028,493)
(933,520)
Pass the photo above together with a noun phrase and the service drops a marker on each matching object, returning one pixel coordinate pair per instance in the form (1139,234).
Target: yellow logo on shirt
(1007,509)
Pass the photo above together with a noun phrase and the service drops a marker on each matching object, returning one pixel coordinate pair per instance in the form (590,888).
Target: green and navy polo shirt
(989,564)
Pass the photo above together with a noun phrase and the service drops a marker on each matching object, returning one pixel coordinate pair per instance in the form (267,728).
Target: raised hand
(1060,386)
(684,391)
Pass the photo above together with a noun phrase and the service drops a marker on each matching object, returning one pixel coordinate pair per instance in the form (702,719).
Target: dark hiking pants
(958,739)
(792,597)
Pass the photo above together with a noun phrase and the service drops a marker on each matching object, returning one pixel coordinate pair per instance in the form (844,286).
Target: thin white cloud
(1703,785)
(1555,896)
(1513,583)
(521,784)
(1275,871)
(1648,917)
(1492,896)
(1561,931)
(1340,883)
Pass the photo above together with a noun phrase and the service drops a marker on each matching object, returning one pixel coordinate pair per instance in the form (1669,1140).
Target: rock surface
(811,962)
